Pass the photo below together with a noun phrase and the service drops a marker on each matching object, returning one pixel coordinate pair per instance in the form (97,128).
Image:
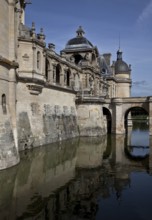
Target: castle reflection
(65,180)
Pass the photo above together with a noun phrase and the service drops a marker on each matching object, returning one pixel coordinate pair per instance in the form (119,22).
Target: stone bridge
(117,110)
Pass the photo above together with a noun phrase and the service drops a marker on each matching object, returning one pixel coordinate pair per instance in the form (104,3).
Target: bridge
(117,110)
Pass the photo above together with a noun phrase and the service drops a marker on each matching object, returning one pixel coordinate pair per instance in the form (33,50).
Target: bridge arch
(134,113)
(108,118)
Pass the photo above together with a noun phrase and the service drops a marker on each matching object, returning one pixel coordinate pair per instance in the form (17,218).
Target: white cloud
(146,13)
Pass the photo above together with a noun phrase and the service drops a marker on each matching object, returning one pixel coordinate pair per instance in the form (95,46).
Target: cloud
(146,13)
(141,88)
(139,83)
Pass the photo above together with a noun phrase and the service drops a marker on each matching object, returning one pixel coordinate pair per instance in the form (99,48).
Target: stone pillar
(62,77)
(117,117)
(65,77)
(150,115)
(90,119)
(34,58)
(54,73)
(43,63)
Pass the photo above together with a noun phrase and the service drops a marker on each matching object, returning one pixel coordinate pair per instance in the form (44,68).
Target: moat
(87,178)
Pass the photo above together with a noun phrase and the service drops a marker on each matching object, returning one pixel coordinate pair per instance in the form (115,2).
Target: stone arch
(108,117)
(132,111)
(58,73)
(47,69)
(77,58)
(68,76)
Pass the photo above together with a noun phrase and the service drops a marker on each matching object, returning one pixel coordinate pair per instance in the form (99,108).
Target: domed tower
(80,50)
(122,73)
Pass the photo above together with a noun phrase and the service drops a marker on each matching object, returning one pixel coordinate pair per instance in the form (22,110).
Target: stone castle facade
(45,96)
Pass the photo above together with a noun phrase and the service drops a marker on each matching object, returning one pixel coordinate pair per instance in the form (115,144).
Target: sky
(104,23)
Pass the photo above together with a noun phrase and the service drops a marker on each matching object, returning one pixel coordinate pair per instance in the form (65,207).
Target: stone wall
(45,118)
(8,151)
(90,120)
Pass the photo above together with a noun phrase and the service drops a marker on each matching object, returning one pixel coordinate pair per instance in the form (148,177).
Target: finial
(80,32)
(33,26)
(41,35)
(33,34)
(119,41)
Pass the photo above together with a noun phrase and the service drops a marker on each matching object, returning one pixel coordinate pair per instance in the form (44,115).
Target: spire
(80,32)
(119,52)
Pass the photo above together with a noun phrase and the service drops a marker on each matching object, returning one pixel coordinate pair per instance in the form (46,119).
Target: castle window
(4,104)
(38,60)
(93,58)
(58,70)
(47,69)
(68,78)
(78,58)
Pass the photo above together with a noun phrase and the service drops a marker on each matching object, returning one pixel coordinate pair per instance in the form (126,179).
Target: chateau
(48,97)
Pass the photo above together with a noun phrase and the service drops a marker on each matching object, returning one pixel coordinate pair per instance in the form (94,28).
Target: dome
(79,41)
(121,66)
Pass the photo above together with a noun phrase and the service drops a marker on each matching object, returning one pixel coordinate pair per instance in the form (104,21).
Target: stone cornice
(32,40)
(35,84)
(89,100)
(118,80)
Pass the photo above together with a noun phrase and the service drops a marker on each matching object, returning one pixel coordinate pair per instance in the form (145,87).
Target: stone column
(43,63)
(54,73)
(117,117)
(150,115)
(34,58)
(62,77)
(65,77)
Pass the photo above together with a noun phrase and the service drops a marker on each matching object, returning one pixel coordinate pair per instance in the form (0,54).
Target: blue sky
(103,21)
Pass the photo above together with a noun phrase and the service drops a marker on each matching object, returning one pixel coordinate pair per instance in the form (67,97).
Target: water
(88,178)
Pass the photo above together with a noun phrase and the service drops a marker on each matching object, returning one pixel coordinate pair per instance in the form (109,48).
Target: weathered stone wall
(123,90)
(90,120)
(8,152)
(45,118)
(4,27)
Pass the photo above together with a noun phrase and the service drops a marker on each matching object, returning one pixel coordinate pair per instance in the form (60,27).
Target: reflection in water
(86,178)
(138,140)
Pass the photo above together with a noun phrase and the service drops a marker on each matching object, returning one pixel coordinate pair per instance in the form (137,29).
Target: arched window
(47,69)
(38,60)
(4,104)
(58,70)
(68,78)
(93,58)
(78,58)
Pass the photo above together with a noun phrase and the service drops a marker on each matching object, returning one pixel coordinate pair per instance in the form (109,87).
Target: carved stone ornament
(35,89)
